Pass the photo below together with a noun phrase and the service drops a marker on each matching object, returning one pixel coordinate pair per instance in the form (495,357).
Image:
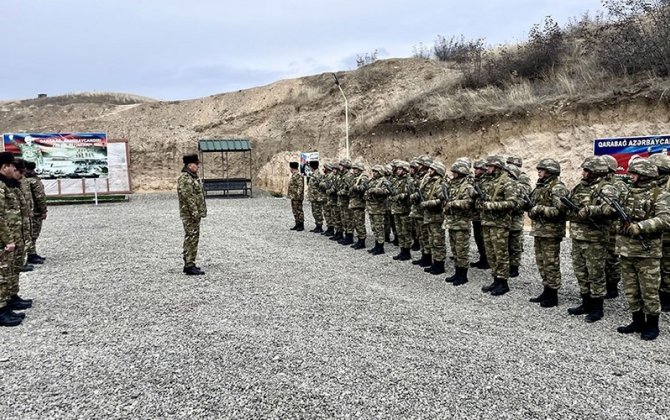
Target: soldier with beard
(378,189)
(640,247)
(457,215)
(433,218)
(357,203)
(548,229)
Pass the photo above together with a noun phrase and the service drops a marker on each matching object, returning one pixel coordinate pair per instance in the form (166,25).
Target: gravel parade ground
(291,325)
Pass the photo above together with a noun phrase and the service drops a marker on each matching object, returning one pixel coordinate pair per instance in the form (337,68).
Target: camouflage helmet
(402,165)
(611,162)
(515,160)
(662,162)
(466,160)
(438,167)
(358,165)
(514,171)
(642,166)
(388,168)
(415,163)
(460,167)
(596,165)
(480,164)
(346,163)
(497,161)
(394,163)
(379,169)
(550,165)
(425,161)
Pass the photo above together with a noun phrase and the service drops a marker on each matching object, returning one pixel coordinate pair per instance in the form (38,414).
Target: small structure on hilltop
(228,175)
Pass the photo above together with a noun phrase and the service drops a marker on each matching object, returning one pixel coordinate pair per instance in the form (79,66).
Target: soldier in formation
(316,196)
(192,209)
(296,193)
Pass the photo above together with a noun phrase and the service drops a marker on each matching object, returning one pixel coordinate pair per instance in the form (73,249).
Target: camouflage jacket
(27,195)
(648,206)
(460,205)
(400,199)
(587,194)
(501,199)
(432,206)
(343,188)
(39,196)
(375,195)
(329,185)
(357,192)
(476,180)
(314,192)
(296,187)
(621,186)
(518,214)
(551,222)
(417,180)
(191,196)
(11,218)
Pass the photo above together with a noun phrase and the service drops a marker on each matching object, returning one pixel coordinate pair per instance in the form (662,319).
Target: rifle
(478,190)
(623,216)
(411,189)
(527,201)
(445,194)
(575,209)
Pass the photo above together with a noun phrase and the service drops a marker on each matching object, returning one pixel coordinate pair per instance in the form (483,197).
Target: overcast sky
(179,49)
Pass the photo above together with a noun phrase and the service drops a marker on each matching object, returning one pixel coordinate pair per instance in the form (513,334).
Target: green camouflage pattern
(501,200)
(548,261)
(459,242)
(192,208)
(296,187)
(641,281)
(460,207)
(588,264)
(496,243)
(547,216)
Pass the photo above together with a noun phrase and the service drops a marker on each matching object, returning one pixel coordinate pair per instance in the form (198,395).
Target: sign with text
(625,148)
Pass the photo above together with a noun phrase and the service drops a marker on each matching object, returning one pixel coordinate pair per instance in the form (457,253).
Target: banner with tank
(62,155)
(623,149)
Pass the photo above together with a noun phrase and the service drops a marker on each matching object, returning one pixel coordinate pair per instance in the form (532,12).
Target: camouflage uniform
(296,193)
(433,218)
(482,263)
(457,215)
(192,208)
(516,228)
(548,229)
(662,162)
(331,186)
(316,198)
(417,211)
(15,229)
(375,196)
(326,203)
(39,200)
(346,179)
(612,264)
(357,202)
(501,199)
(640,247)
(400,208)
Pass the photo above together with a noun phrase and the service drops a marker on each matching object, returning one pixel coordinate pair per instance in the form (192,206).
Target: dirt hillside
(392,115)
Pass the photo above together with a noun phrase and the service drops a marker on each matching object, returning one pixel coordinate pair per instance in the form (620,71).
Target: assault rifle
(445,194)
(527,201)
(575,209)
(412,189)
(623,216)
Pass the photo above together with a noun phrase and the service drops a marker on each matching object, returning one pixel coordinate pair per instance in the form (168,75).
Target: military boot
(650,331)
(596,313)
(300,227)
(665,301)
(436,268)
(501,289)
(27,267)
(16,303)
(9,318)
(193,271)
(348,239)
(424,261)
(513,271)
(612,291)
(462,276)
(387,237)
(35,259)
(337,236)
(317,229)
(295,227)
(404,255)
(492,286)
(550,299)
(582,309)
(329,231)
(634,327)
(360,244)
(541,297)
(482,264)
(378,249)
(416,246)
(396,241)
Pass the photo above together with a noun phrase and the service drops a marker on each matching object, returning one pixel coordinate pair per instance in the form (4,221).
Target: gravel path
(291,325)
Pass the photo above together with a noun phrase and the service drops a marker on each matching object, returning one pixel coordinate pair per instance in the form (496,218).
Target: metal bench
(243,185)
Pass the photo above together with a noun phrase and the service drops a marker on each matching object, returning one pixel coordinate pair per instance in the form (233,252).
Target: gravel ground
(287,325)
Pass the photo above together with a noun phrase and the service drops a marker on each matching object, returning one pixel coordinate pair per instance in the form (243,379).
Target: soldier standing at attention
(548,229)
(315,196)
(296,193)
(662,162)
(329,183)
(378,190)
(514,164)
(415,212)
(346,233)
(39,211)
(357,203)
(192,209)
(482,263)
(426,259)
(457,215)
(613,266)
(400,207)
(640,246)
(433,218)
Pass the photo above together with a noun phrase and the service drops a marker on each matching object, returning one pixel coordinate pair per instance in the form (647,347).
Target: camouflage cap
(358,165)
(596,165)
(402,165)
(439,168)
(514,171)
(378,168)
(460,167)
(611,162)
(515,160)
(480,164)
(497,161)
(642,166)
(662,162)
(345,162)
(550,165)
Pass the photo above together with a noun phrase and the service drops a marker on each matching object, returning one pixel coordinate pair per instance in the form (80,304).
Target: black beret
(6,158)
(30,165)
(314,164)
(294,165)
(20,164)
(191,159)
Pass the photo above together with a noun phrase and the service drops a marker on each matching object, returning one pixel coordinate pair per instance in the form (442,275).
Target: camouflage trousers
(389,225)
(327,214)
(377,222)
(424,236)
(191,238)
(298,213)
(665,268)
(317,212)
(496,242)
(36,228)
(359,222)
(6,271)
(346,217)
(336,217)
(479,238)
(515,247)
(436,241)
(588,263)
(641,280)
(404,227)
(612,265)
(19,260)
(459,241)
(548,260)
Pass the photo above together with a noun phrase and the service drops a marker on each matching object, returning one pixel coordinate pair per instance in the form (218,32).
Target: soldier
(389,223)
(296,193)
(330,184)
(11,238)
(39,211)
(26,199)
(418,212)
(548,229)
(343,189)
(357,203)
(316,196)
(415,213)
(326,205)
(500,200)
(192,209)
(612,266)
(662,162)
(480,174)
(514,164)
(378,189)
(433,218)
(589,231)
(457,215)
(400,207)
(640,247)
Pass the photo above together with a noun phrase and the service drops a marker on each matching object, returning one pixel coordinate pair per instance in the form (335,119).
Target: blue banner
(625,148)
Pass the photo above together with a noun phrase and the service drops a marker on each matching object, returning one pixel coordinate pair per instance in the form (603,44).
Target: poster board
(624,148)
(305,158)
